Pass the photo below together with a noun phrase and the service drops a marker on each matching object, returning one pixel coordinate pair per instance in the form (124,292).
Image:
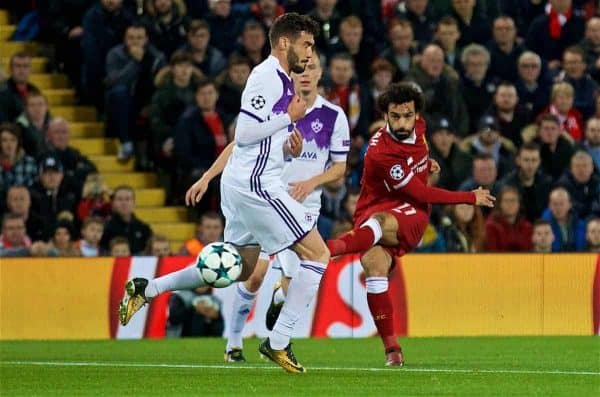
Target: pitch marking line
(235,366)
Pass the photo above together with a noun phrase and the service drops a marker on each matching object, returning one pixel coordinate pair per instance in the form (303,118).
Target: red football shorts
(412,223)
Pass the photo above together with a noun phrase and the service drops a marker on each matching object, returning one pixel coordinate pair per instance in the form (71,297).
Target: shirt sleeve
(256,120)
(399,180)
(340,139)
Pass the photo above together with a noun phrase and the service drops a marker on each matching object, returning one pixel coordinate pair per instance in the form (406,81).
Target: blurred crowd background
(512,104)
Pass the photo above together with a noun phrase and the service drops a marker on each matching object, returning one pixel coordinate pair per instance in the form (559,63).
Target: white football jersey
(326,137)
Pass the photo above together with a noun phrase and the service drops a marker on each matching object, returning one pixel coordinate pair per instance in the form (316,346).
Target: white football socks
(279,296)
(242,304)
(188,278)
(301,291)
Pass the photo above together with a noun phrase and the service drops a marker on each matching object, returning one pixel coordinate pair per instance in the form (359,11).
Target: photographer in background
(194,313)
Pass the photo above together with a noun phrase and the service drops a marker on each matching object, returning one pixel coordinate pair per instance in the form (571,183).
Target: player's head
(294,35)
(308,81)
(401,105)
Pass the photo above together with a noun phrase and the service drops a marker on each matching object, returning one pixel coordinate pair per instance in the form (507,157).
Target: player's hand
(301,190)
(297,108)
(434,166)
(295,143)
(76,32)
(483,197)
(196,191)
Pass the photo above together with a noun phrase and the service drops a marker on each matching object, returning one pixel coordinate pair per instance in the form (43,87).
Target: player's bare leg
(139,291)
(242,304)
(377,263)
(314,256)
(381,227)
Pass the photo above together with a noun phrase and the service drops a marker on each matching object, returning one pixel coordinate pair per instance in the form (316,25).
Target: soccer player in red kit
(395,202)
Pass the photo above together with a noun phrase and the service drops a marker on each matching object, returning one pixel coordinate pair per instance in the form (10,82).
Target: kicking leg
(242,304)
(139,291)
(377,264)
(380,227)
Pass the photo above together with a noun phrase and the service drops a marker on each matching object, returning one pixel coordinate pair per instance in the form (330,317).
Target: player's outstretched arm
(197,190)
(301,190)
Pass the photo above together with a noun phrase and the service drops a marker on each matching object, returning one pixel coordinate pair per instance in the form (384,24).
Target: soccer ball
(219,264)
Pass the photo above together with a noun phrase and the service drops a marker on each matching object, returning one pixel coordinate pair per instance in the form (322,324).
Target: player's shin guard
(188,278)
(358,240)
(300,293)
(382,311)
(242,304)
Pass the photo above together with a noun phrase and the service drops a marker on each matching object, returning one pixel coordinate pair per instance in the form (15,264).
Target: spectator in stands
(446,36)
(253,44)
(103,28)
(559,27)
(66,24)
(504,49)
(209,59)
(400,52)
(568,229)
(474,26)
(463,228)
(506,230)
(592,235)
(332,197)
(76,166)
(351,40)
(440,89)
(533,184)
(200,136)
(18,86)
(574,72)
(209,229)
(130,70)
(340,226)
(591,47)
(542,237)
(14,241)
(194,313)
(382,75)
(511,116)
(34,123)
(176,87)
(62,241)
(328,18)
(91,235)
(159,246)
(532,87)
(455,164)
(167,23)
(477,87)
(119,247)
(422,17)
(556,149)
(51,195)
(591,143)
(233,83)
(484,174)
(95,198)
(225,25)
(489,141)
(582,184)
(347,92)
(124,223)
(17,167)
(18,201)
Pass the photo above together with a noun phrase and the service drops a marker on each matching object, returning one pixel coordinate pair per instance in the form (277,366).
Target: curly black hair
(291,25)
(401,93)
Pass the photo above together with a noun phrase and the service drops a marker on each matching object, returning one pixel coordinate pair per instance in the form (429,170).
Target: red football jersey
(389,165)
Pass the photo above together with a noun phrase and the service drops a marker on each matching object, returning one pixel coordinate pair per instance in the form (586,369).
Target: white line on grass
(236,366)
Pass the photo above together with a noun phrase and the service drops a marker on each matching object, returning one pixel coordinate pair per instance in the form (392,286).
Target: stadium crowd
(512,93)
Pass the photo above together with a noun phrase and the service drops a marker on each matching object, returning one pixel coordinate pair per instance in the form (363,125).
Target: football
(219,264)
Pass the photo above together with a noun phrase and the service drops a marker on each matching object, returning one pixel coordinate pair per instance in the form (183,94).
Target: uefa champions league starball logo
(258,102)
(396,172)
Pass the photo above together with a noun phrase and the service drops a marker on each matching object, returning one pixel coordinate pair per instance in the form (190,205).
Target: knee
(374,267)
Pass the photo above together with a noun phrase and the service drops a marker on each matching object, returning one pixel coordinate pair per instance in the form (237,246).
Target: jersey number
(405,209)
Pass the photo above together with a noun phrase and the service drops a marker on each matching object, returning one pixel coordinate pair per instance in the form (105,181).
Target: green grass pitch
(501,366)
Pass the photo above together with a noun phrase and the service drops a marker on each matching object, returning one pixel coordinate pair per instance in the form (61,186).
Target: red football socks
(383,315)
(358,240)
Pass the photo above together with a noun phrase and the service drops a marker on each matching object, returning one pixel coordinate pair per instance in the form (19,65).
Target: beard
(401,133)
(294,62)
